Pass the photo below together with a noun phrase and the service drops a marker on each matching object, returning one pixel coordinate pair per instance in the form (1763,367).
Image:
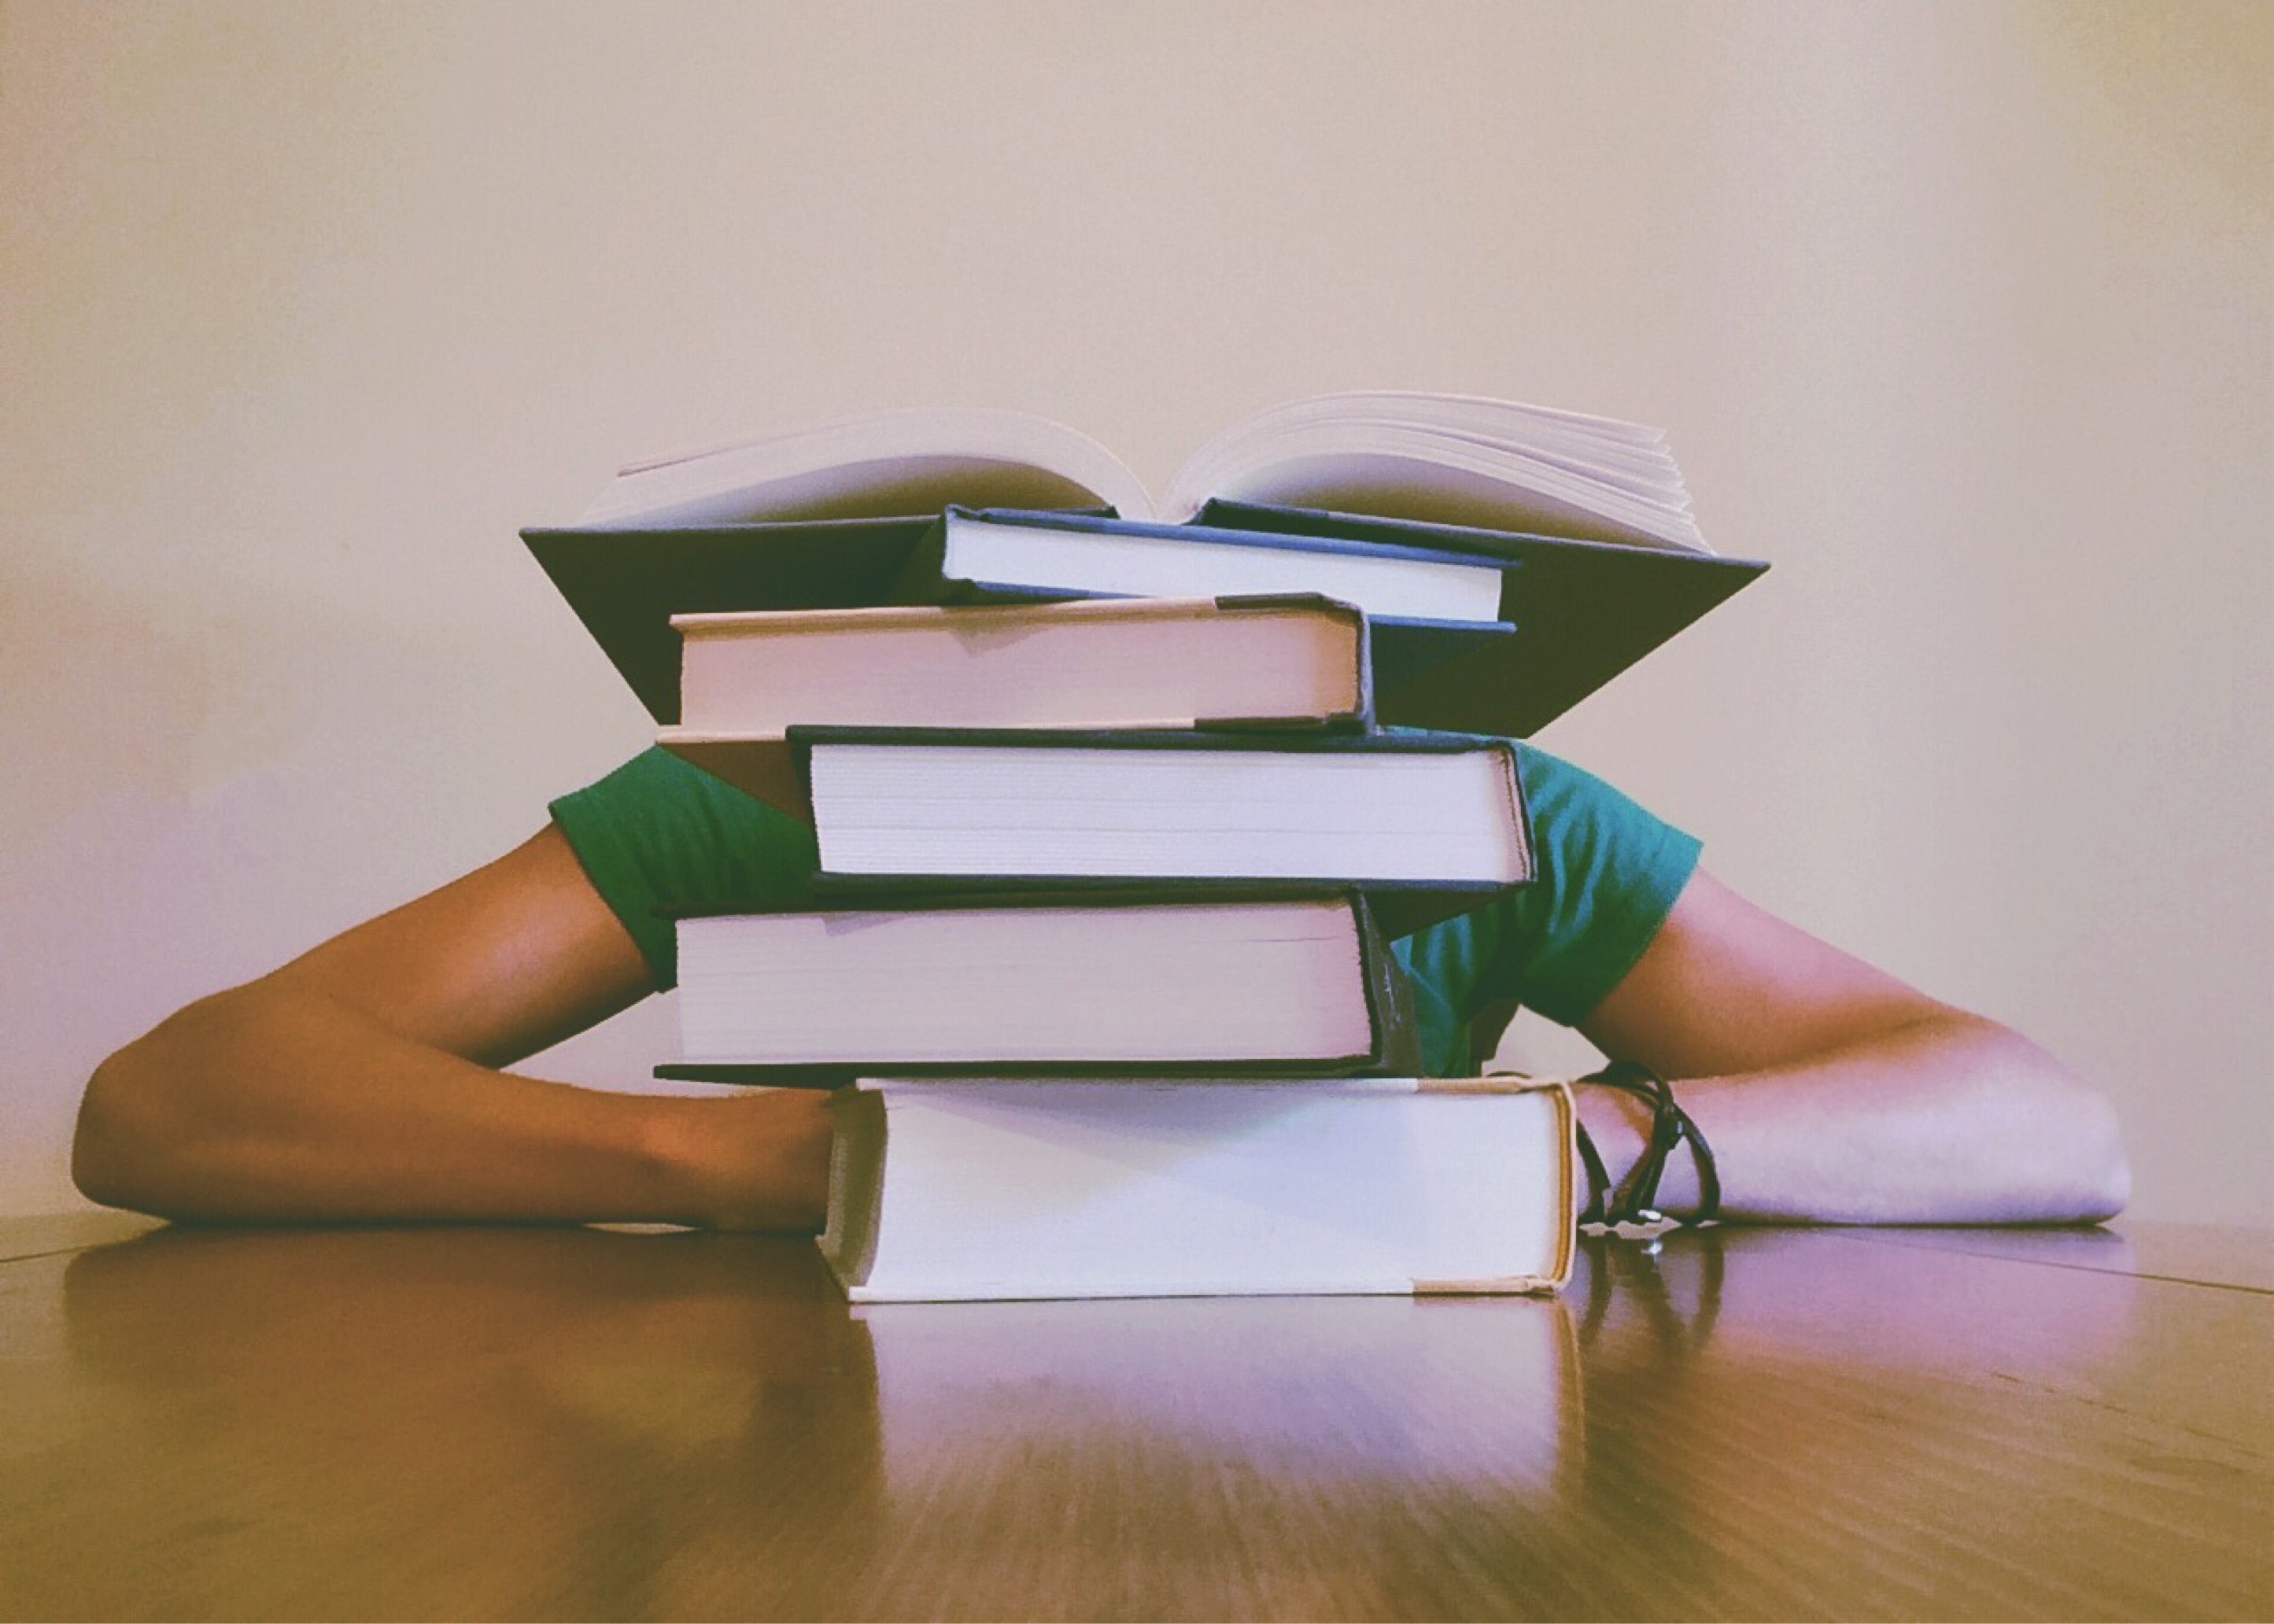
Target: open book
(1438,459)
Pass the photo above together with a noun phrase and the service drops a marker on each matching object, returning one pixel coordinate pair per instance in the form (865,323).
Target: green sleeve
(1608,873)
(658,834)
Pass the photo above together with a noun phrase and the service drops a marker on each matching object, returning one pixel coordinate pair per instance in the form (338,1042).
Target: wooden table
(585,1423)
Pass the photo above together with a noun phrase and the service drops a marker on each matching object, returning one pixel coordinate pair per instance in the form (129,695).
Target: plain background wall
(1959,313)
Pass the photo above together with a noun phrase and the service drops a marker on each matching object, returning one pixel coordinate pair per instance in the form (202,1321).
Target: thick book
(1428,826)
(1278,982)
(1146,662)
(969,1189)
(982,553)
(1444,459)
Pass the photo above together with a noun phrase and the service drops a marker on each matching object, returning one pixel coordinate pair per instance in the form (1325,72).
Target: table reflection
(329,1423)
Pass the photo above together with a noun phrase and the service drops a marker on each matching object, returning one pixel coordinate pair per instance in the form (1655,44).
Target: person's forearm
(268,1104)
(1951,1119)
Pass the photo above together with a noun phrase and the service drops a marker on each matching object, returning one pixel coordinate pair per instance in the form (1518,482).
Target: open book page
(1446,484)
(1439,459)
(1448,460)
(890,463)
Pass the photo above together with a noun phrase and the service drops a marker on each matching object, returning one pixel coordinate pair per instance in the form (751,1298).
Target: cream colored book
(965,1188)
(1132,663)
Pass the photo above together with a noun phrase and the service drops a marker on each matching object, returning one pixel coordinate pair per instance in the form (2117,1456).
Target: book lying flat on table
(836,518)
(1293,982)
(1429,825)
(1441,458)
(1086,663)
(944,1189)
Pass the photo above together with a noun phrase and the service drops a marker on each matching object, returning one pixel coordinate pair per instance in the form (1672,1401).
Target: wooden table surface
(547,1424)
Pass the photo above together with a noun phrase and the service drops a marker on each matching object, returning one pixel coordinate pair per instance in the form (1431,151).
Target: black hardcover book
(1588,609)
(626,584)
(1427,825)
(1195,980)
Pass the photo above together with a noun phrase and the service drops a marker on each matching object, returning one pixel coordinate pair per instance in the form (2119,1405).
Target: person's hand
(758,1160)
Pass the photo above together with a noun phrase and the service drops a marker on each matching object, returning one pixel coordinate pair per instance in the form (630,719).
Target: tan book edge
(856,1183)
(1567,1252)
(722,622)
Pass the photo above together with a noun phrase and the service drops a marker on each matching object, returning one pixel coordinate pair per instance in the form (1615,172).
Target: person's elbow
(2064,1134)
(2104,1171)
(139,1118)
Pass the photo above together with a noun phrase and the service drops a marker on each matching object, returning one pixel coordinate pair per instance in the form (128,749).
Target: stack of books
(1118,806)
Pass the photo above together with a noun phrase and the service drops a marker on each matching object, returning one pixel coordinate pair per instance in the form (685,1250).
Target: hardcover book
(1285,981)
(1427,825)
(966,1189)
(993,552)
(1132,663)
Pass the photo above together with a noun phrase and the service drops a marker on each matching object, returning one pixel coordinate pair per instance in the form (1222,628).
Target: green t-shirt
(657,834)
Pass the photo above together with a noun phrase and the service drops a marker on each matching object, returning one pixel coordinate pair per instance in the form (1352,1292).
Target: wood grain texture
(577,1424)
(2201,1254)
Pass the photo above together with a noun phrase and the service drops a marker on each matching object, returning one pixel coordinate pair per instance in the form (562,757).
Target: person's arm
(359,1082)
(1831,1093)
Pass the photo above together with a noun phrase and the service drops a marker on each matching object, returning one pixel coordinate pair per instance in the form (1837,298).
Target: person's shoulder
(659,835)
(1606,872)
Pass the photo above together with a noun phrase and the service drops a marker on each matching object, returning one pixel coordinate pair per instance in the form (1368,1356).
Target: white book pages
(1421,817)
(1030,555)
(1443,482)
(1592,447)
(1090,663)
(888,463)
(1447,459)
(1176,984)
(1149,1188)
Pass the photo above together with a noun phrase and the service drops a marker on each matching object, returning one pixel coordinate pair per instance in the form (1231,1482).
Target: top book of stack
(1587,518)
(1434,459)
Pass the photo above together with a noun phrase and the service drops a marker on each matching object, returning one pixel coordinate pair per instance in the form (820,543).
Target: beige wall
(1959,313)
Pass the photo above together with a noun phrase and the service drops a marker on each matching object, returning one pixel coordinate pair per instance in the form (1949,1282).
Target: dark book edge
(1400,906)
(1436,741)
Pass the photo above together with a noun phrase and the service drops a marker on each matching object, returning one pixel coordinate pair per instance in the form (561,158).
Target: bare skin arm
(358,1082)
(1831,1093)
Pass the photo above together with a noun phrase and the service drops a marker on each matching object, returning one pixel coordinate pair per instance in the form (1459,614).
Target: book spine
(1360,718)
(1390,1000)
(919,580)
